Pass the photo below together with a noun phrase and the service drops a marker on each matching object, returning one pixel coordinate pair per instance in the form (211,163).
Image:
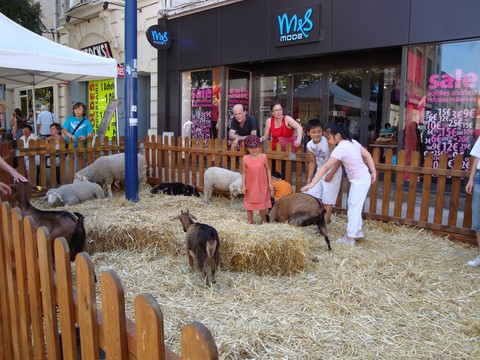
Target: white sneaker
(359,234)
(475,262)
(346,241)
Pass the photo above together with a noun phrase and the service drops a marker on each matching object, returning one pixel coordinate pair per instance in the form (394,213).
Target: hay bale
(265,249)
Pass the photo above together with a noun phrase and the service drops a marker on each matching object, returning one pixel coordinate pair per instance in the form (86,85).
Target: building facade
(412,64)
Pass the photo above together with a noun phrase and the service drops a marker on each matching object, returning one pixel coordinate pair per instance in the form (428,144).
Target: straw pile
(116,224)
(402,293)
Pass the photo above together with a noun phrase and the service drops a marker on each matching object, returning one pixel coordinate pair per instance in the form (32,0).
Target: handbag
(73,132)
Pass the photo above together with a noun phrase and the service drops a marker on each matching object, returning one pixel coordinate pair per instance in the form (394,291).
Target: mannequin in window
(216,96)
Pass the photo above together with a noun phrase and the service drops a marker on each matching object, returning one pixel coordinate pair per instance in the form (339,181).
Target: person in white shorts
(361,173)
(319,151)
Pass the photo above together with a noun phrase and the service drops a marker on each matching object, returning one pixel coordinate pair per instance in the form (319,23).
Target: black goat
(58,223)
(301,210)
(176,188)
(203,245)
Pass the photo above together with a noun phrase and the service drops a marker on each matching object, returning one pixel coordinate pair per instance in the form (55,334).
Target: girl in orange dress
(257,180)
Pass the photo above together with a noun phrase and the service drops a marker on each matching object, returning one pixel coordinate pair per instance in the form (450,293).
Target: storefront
(364,64)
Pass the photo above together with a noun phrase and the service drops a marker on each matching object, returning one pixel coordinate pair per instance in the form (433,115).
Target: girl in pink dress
(257,180)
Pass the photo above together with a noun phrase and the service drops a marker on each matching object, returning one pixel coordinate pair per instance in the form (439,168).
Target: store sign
(102,50)
(100,93)
(297,25)
(159,37)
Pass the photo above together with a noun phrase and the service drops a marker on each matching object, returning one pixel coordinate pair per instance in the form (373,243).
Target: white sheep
(222,179)
(72,194)
(108,169)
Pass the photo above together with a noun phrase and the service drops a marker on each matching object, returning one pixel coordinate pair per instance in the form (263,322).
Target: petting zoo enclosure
(431,198)
(391,199)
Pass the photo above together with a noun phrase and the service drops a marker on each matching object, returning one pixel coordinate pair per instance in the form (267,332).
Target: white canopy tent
(30,59)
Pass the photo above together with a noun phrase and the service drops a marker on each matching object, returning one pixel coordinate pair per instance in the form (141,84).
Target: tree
(24,12)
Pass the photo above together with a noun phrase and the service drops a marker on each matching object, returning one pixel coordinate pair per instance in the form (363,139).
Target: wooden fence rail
(422,200)
(43,313)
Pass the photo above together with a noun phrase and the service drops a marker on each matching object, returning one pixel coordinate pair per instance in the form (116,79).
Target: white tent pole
(34,125)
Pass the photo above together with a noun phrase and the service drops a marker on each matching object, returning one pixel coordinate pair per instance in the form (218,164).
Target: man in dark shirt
(242,125)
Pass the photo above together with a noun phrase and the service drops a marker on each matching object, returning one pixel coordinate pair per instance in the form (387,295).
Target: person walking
(353,157)
(257,180)
(44,120)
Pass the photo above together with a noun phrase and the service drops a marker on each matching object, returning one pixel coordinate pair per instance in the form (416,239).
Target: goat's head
(186,219)
(22,191)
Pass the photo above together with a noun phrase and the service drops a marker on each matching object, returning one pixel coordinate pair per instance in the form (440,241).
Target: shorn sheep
(222,179)
(108,169)
(301,210)
(72,194)
(58,223)
(176,188)
(203,245)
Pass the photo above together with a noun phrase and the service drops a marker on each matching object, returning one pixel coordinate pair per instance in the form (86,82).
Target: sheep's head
(54,198)
(236,188)
(79,178)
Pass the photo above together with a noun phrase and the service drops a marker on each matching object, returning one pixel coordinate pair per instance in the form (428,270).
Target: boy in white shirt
(319,151)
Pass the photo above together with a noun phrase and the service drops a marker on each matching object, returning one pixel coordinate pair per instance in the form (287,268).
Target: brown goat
(203,245)
(58,223)
(301,210)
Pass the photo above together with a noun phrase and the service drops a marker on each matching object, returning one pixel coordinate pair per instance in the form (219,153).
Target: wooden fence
(45,315)
(421,201)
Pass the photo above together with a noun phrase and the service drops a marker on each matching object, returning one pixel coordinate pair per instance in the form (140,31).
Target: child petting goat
(203,245)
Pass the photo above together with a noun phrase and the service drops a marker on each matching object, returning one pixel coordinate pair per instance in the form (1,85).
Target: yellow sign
(99,95)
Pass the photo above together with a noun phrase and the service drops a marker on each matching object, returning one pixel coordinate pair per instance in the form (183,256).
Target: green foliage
(24,12)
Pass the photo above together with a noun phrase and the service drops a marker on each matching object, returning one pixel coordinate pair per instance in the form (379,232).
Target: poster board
(107,117)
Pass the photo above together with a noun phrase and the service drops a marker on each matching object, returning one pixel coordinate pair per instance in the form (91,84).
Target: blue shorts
(476,202)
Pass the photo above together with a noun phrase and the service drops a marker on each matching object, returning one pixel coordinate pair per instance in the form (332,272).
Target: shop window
(307,97)
(201,105)
(442,99)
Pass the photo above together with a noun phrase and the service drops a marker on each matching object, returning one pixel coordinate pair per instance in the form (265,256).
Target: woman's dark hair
(77,105)
(18,113)
(313,123)
(334,129)
(275,103)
